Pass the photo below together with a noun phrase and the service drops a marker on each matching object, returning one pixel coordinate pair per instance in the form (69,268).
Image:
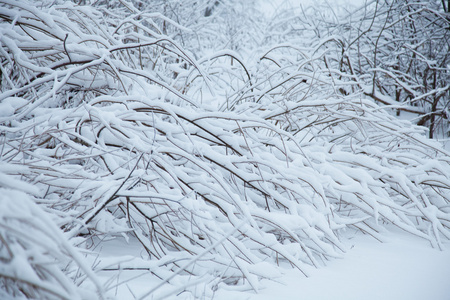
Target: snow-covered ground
(401,268)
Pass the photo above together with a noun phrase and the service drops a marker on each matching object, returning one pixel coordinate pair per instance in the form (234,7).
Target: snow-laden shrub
(395,51)
(36,260)
(238,168)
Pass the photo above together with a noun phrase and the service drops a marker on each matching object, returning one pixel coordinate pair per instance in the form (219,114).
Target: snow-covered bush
(36,259)
(395,51)
(235,166)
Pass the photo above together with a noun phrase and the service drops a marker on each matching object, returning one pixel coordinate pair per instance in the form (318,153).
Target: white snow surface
(403,267)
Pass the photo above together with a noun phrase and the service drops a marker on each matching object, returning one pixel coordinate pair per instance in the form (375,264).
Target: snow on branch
(240,167)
